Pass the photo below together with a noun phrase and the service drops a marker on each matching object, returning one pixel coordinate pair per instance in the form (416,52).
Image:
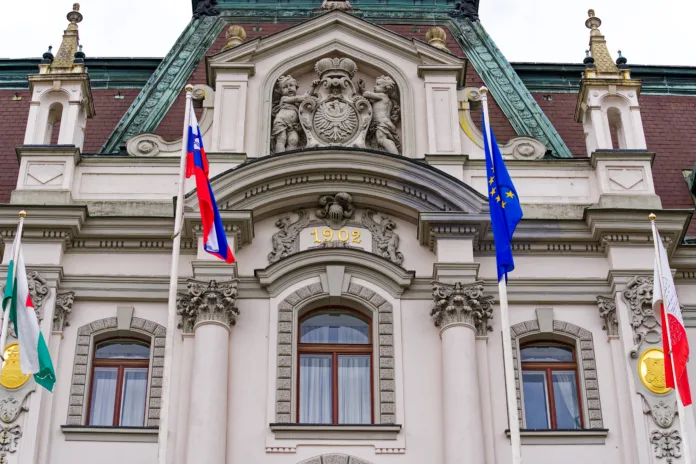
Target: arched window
(551,386)
(618,137)
(119,383)
(55,115)
(335,368)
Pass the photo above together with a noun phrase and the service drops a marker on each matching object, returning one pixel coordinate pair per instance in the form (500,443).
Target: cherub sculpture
(286,131)
(385,114)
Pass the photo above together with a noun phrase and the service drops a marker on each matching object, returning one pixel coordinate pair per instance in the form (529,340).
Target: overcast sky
(647,32)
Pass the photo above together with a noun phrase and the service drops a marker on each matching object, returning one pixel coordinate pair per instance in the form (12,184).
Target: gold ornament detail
(651,370)
(12,377)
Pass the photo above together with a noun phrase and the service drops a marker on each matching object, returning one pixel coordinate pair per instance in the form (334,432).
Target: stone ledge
(335,432)
(562,437)
(110,434)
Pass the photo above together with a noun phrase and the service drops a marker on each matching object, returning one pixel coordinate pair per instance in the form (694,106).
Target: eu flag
(504,204)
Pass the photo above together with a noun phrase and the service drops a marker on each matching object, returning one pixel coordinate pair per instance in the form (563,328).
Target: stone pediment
(392,184)
(329,26)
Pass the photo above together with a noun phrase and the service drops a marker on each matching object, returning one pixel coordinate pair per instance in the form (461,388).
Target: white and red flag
(666,306)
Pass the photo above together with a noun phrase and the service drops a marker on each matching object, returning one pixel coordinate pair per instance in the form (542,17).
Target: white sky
(647,32)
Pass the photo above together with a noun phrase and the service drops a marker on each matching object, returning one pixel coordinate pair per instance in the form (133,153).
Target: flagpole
(173,288)
(681,412)
(5,313)
(510,390)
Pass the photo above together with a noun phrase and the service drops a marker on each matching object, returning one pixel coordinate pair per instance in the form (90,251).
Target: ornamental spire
(64,60)
(598,46)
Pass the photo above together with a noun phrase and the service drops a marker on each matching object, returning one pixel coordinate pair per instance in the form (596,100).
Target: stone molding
(334,459)
(64,304)
(587,366)
(607,311)
(382,315)
(79,388)
(462,304)
(207,302)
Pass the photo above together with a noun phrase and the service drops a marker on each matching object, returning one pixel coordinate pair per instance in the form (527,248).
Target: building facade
(360,322)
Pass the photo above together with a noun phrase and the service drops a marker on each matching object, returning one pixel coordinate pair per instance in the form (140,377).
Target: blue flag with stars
(506,211)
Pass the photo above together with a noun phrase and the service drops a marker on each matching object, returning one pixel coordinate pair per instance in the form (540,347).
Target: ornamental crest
(335,113)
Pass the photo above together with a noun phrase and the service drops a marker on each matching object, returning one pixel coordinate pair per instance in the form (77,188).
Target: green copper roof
(312,4)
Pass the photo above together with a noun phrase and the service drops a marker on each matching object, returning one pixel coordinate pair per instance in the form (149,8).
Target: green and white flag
(34,357)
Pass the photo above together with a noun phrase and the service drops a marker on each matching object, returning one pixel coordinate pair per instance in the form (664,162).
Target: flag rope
(173,289)
(6,309)
(510,390)
(681,410)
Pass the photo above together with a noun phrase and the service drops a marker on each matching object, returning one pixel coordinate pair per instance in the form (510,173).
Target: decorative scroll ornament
(335,113)
(467,8)
(38,291)
(607,311)
(462,304)
(207,301)
(206,8)
(639,294)
(64,303)
(336,209)
(663,412)
(666,444)
(385,240)
(11,406)
(9,439)
(285,241)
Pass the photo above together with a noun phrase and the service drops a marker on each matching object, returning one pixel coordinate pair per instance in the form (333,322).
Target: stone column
(460,311)
(208,310)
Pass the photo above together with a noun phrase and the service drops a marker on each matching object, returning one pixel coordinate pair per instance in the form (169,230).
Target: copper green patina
(165,84)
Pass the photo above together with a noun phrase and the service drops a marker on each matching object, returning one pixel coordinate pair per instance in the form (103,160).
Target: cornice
(621,155)
(48,150)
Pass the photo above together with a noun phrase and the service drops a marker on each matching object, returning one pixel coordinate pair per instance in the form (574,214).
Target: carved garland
(83,350)
(382,313)
(666,444)
(586,363)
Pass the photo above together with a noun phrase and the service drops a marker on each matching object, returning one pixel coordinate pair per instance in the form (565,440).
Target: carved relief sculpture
(666,444)
(9,439)
(386,112)
(285,134)
(336,209)
(607,311)
(464,304)
(64,303)
(207,301)
(385,240)
(285,241)
(638,295)
(335,113)
(206,8)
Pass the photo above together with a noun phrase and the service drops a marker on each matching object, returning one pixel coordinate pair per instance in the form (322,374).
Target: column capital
(463,305)
(207,301)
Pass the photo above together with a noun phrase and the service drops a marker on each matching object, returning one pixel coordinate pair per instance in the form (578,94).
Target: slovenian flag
(34,357)
(214,238)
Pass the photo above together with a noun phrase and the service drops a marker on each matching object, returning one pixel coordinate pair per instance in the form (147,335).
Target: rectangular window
(103,396)
(535,400)
(316,389)
(354,405)
(133,397)
(565,394)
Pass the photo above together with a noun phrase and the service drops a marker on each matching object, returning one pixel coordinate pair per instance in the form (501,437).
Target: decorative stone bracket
(463,304)
(207,301)
(607,311)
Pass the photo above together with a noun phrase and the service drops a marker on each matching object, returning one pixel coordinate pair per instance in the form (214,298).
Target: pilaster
(230,82)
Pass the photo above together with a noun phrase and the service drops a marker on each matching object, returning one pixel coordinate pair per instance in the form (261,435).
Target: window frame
(121,364)
(548,368)
(335,350)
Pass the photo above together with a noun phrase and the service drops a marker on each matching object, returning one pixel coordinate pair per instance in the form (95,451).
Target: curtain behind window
(315,389)
(566,399)
(133,398)
(103,396)
(354,390)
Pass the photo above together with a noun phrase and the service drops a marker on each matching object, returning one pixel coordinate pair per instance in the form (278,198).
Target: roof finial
(436,36)
(235,35)
(598,46)
(71,40)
